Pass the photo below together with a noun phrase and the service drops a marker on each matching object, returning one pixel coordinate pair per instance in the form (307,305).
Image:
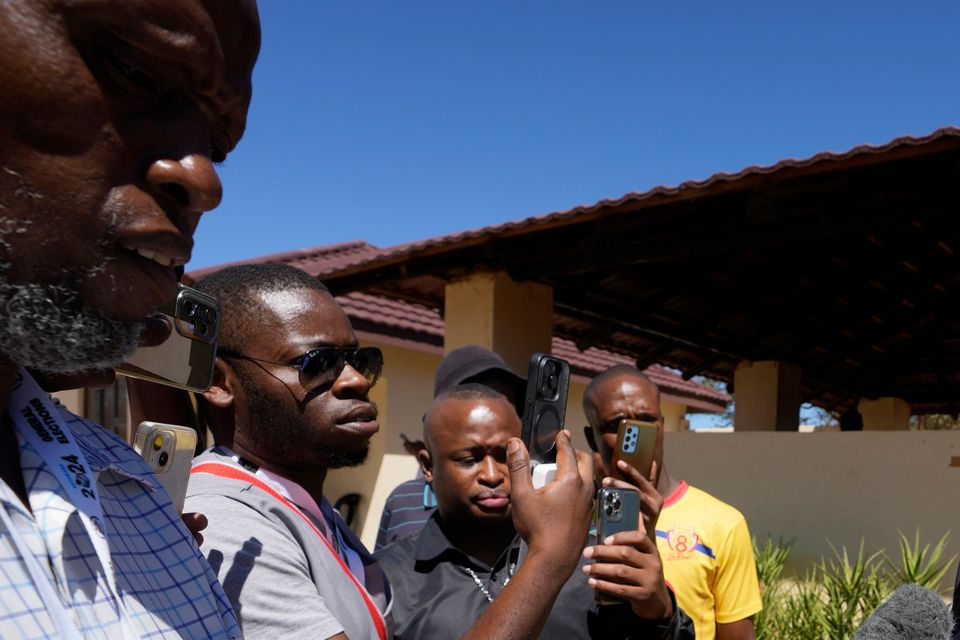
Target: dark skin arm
(522,608)
(739,630)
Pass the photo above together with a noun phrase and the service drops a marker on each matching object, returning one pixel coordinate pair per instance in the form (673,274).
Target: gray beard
(47,328)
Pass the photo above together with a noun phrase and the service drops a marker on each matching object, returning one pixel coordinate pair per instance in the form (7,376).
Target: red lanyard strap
(227,471)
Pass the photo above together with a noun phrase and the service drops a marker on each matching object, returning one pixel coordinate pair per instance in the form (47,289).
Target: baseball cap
(466,363)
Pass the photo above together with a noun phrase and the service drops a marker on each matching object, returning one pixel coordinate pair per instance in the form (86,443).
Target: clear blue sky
(396,121)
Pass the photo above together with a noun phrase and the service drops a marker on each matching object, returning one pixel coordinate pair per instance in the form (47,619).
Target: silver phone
(168,450)
(186,358)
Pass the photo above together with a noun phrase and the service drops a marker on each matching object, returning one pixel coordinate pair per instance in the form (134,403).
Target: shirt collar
(434,544)
(286,487)
(101,458)
(295,493)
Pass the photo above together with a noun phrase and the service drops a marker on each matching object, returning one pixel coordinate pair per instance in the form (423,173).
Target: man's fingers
(566,455)
(617,573)
(518,461)
(196,522)
(633,476)
(585,467)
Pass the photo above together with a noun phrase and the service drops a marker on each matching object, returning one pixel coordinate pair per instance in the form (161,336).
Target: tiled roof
(366,254)
(426,325)
(377,314)
(315,260)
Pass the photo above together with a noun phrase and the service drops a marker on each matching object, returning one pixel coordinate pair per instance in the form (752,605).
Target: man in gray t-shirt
(290,401)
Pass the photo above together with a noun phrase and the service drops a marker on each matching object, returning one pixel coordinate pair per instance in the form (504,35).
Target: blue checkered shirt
(167,587)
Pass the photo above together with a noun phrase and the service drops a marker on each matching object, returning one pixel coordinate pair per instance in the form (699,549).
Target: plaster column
(766,396)
(674,416)
(513,319)
(885,414)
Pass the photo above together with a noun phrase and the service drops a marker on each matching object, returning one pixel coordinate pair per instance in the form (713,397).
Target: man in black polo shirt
(447,575)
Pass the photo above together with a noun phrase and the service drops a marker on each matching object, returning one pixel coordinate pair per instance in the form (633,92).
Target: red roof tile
(349,260)
(385,313)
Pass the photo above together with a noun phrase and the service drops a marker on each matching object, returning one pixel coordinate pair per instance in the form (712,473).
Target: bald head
(447,410)
(603,383)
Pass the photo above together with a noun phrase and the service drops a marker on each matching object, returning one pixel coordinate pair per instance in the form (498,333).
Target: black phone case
(545,405)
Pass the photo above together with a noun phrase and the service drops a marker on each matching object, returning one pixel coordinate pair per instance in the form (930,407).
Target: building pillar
(674,416)
(513,319)
(766,396)
(885,414)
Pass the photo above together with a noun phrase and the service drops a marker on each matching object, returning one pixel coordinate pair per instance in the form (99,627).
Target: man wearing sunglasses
(290,401)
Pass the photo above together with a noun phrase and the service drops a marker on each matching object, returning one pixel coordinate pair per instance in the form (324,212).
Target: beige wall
(837,486)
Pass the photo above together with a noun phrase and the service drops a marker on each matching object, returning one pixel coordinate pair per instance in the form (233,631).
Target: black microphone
(911,613)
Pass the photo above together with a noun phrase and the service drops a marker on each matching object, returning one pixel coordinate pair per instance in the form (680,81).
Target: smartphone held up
(168,450)
(617,509)
(544,408)
(186,358)
(637,444)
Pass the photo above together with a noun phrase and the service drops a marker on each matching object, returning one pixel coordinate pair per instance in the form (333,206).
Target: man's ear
(426,464)
(220,393)
(591,441)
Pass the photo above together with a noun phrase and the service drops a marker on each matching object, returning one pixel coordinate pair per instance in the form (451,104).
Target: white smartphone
(168,449)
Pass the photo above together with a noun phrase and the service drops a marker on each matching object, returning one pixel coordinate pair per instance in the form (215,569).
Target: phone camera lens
(189,308)
(616,504)
(164,459)
(202,329)
(609,510)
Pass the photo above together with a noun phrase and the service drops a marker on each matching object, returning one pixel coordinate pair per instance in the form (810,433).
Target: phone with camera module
(168,450)
(637,442)
(616,510)
(186,358)
(544,407)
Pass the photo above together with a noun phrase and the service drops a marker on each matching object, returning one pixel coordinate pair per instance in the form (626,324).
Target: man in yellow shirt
(704,543)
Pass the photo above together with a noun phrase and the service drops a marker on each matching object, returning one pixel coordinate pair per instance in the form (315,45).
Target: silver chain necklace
(483,589)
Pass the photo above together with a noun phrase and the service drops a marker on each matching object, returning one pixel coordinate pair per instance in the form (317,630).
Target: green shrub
(839,592)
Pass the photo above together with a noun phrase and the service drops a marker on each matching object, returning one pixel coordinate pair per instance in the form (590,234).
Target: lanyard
(39,422)
(238,473)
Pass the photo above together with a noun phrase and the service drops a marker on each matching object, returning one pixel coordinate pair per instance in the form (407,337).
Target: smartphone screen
(186,358)
(637,443)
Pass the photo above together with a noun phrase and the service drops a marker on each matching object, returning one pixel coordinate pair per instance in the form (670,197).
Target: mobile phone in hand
(186,358)
(617,510)
(637,443)
(545,405)
(168,450)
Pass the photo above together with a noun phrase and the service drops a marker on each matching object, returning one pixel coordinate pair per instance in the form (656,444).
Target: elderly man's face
(113,113)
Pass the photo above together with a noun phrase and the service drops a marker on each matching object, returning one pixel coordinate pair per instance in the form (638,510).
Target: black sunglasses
(321,366)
